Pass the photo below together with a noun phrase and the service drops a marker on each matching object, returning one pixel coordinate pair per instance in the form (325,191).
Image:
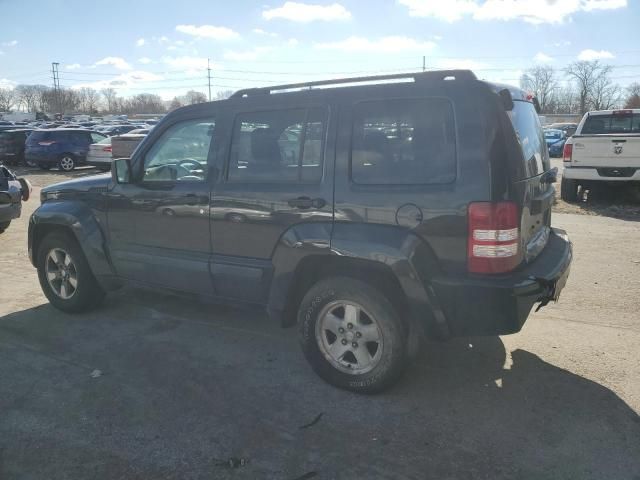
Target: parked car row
(556,135)
(13,191)
(66,146)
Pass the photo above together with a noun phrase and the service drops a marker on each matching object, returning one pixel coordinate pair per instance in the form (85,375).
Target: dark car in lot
(12,145)
(555,140)
(13,191)
(369,214)
(62,148)
(117,129)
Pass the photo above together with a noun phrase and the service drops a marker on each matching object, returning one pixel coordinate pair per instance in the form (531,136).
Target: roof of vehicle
(553,130)
(16,130)
(62,129)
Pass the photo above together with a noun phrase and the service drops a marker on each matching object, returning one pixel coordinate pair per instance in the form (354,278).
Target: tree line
(40,98)
(580,87)
(587,86)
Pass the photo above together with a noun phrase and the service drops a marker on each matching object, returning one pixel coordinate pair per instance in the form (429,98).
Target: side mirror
(121,170)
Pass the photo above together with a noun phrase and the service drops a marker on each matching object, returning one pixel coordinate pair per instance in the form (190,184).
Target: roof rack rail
(418,76)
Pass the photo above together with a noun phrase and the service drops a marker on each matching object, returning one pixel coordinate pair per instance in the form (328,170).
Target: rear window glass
(604,124)
(403,142)
(527,126)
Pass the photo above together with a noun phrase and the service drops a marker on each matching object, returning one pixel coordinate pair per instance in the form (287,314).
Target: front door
(277,183)
(159,223)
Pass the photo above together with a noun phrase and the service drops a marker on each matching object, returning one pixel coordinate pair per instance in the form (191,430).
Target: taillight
(107,149)
(494,237)
(46,144)
(567,152)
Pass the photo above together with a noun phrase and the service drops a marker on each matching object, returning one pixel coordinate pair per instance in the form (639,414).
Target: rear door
(276,183)
(531,191)
(611,140)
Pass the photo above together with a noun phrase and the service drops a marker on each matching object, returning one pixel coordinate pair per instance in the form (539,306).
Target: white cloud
(306,12)
(259,31)
(542,58)
(188,63)
(11,43)
(530,11)
(145,60)
(140,42)
(208,31)
(292,42)
(384,45)
(125,80)
(1,52)
(72,66)
(449,11)
(589,54)
(117,62)
(6,83)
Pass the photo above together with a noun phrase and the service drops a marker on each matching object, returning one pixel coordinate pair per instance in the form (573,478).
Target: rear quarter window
(611,124)
(403,142)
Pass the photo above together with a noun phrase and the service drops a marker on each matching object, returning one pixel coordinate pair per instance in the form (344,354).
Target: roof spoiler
(436,75)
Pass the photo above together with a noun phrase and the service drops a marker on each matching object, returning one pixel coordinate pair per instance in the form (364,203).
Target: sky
(159,47)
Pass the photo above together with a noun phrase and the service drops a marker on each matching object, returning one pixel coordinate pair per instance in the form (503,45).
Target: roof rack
(418,76)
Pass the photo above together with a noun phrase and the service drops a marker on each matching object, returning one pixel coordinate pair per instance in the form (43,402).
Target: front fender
(79,220)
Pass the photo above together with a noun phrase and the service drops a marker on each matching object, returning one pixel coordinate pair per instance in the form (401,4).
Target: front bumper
(602,174)
(500,305)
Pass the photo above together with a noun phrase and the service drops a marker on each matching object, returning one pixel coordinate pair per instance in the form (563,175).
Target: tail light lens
(494,237)
(107,149)
(567,152)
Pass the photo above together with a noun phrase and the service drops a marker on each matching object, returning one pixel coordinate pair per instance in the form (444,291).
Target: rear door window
(526,124)
(403,142)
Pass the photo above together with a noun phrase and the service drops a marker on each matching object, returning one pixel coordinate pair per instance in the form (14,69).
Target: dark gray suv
(369,214)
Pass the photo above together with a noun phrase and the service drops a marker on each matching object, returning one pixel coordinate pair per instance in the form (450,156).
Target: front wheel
(352,336)
(569,190)
(65,276)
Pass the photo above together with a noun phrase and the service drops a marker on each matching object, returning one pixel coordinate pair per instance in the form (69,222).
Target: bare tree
(605,94)
(144,103)
(27,96)
(223,94)
(541,81)
(192,97)
(88,99)
(175,103)
(586,76)
(110,96)
(7,99)
(632,99)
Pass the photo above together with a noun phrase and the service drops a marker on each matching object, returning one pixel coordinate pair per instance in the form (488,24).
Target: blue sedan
(555,140)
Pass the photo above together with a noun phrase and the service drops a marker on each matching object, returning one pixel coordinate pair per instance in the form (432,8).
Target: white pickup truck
(605,148)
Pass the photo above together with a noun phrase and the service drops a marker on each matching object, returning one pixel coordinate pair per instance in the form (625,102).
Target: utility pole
(56,86)
(209,78)
(424,63)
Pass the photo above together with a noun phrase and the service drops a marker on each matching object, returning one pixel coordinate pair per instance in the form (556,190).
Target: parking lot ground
(151,386)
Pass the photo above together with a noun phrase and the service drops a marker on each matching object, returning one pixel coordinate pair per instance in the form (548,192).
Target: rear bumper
(99,161)
(501,305)
(602,174)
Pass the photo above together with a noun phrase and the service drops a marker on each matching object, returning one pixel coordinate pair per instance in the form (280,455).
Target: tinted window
(181,152)
(603,124)
(278,146)
(527,127)
(408,141)
(39,136)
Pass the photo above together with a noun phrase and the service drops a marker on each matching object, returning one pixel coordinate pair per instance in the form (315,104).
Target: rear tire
(4,226)
(569,190)
(65,276)
(67,163)
(352,336)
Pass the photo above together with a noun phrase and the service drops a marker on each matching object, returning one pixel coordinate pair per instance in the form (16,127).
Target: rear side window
(403,142)
(611,124)
(280,146)
(38,136)
(526,124)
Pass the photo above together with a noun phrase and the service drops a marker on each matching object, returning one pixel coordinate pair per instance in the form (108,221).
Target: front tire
(65,276)
(352,336)
(569,190)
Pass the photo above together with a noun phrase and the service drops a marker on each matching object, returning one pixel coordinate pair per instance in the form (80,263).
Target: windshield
(614,123)
(552,135)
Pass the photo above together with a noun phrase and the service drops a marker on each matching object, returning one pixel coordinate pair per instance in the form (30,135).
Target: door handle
(304,203)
